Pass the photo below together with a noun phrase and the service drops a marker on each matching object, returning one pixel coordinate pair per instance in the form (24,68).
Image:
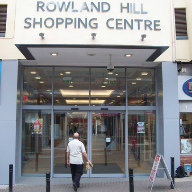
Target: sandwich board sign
(159,158)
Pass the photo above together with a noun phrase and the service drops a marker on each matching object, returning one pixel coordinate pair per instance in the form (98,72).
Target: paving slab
(103,185)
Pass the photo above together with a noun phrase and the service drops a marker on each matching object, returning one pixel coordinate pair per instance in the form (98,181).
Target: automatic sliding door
(108,143)
(65,124)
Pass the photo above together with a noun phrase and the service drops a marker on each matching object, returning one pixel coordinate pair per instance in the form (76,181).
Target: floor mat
(98,168)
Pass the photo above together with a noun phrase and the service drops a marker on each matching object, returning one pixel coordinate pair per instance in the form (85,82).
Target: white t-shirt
(75,148)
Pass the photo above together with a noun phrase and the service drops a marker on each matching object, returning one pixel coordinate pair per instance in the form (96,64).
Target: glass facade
(77,94)
(37,86)
(71,86)
(141,140)
(36,142)
(108,88)
(141,87)
(186,133)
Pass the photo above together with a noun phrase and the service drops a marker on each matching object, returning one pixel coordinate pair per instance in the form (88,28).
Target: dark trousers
(77,172)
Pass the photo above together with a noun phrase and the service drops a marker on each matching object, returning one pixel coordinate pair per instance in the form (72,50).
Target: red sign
(155,167)
(37,126)
(25,98)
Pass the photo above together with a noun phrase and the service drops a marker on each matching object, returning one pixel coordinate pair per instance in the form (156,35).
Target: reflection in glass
(37,86)
(141,140)
(107,88)
(141,87)
(36,142)
(108,143)
(71,86)
(186,133)
(65,124)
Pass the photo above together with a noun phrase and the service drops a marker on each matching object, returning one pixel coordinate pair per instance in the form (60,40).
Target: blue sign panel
(187,87)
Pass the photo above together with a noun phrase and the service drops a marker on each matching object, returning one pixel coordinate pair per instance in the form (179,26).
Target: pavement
(30,184)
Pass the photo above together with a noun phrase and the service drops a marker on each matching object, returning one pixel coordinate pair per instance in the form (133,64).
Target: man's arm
(68,162)
(85,155)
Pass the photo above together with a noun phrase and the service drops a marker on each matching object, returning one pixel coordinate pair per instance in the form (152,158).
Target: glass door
(108,144)
(65,124)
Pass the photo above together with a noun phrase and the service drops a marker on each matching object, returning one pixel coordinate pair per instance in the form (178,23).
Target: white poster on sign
(140,127)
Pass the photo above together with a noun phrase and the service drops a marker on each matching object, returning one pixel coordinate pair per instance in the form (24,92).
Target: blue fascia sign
(187,87)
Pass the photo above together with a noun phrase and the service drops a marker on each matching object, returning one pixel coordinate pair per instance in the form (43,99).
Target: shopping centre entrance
(103,135)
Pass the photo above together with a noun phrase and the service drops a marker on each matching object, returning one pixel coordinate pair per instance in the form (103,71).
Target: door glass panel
(108,143)
(36,142)
(141,140)
(65,124)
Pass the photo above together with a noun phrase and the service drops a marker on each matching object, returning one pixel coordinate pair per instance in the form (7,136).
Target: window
(181,24)
(186,133)
(3,17)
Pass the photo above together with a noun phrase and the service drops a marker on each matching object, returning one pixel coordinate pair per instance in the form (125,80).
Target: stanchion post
(36,162)
(131,184)
(65,158)
(47,182)
(10,178)
(105,149)
(172,173)
(139,156)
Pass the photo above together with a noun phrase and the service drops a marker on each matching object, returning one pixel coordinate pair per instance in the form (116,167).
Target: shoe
(78,185)
(74,186)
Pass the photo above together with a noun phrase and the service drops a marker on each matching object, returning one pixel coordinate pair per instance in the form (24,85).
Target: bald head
(76,135)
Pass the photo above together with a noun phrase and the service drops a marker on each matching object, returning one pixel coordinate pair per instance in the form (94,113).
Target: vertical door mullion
(52,126)
(126,127)
(90,138)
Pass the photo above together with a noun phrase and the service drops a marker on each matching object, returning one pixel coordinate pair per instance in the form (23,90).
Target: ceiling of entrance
(87,56)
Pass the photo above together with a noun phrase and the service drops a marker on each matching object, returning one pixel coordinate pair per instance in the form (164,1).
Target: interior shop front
(108,110)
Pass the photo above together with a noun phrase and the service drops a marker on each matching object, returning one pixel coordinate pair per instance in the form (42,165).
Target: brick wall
(185,159)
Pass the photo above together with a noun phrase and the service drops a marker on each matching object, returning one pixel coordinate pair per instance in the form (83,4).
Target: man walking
(75,149)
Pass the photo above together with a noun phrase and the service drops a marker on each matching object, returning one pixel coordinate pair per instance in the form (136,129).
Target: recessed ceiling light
(105,82)
(50,93)
(67,72)
(33,72)
(144,73)
(48,90)
(110,73)
(116,74)
(57,100)
(103,86)
(106,78)
(118,96)
(41,82)
(70,85)
(128,55)
(133,83)
(37,77)
(138,79)
(124,91)
(61,73)
(54,54)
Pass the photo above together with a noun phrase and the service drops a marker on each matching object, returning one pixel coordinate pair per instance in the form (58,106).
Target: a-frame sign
(159,158)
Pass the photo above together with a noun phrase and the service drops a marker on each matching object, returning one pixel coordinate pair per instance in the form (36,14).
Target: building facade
(111,71)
